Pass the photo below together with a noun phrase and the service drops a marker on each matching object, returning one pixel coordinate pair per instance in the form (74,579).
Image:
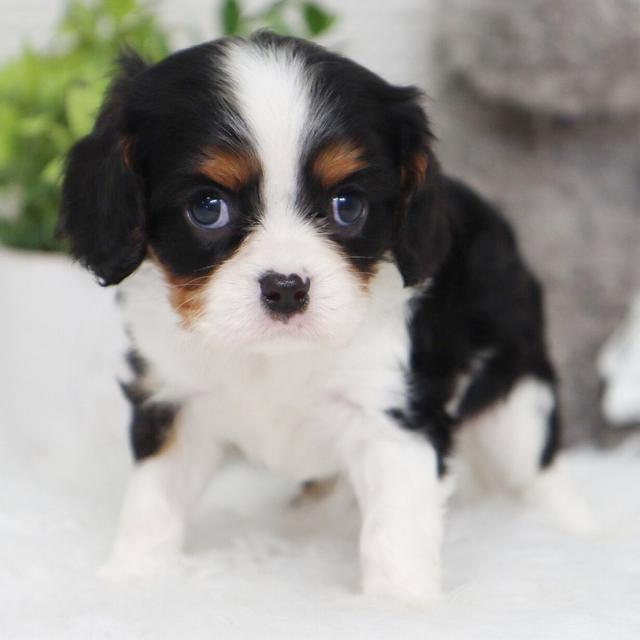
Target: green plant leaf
(118,9)
(317,19)
(34,126)
(81,106)
(274,20)
(52,173)
(230,17)
(9,119)
(49,99)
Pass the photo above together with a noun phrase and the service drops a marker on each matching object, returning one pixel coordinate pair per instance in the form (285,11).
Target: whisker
(188,283)
(185,302)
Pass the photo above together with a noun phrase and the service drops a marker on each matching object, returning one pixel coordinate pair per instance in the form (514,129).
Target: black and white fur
(423,324)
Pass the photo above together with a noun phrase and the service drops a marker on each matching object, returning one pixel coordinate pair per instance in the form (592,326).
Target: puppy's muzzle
(284,295)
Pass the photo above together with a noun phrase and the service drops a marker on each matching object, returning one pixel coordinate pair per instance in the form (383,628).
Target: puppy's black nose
(284,295)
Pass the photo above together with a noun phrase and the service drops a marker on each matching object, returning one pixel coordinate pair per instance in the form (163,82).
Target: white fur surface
(256,568)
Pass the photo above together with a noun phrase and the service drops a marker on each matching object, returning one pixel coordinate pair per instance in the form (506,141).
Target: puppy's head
(267,179)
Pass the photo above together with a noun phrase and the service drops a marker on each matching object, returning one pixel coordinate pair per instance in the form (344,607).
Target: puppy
(301,283)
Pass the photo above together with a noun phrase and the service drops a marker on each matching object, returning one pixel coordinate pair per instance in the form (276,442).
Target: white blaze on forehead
(272,91)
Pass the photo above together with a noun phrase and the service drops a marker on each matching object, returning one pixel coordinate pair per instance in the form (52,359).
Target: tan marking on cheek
(363,277)
(186,293)
(229,169)
(336,162)
(186,297)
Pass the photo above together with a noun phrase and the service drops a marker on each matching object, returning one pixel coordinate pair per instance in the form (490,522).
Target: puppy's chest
(287,412)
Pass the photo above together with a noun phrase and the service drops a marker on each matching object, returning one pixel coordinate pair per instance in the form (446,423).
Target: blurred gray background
(536,103)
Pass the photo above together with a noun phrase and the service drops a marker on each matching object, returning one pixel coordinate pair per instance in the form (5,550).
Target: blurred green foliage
(49,99)
(287,17)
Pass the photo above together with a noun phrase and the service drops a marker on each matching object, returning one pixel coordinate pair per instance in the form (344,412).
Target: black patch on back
(484,299)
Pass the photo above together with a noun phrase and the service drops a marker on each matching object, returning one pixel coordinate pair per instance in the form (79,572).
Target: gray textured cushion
(562,57)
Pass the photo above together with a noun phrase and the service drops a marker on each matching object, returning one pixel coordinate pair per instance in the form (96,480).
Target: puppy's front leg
(162,492)
(395,476)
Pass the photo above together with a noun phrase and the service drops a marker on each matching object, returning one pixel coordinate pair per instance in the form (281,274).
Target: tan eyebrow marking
(414,173)
(230,169)
(337,161)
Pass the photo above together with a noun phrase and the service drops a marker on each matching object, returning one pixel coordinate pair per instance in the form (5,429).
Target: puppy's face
(266,179)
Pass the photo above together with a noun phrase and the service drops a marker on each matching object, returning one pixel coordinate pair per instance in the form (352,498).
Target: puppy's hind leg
(176,456)
(511,447)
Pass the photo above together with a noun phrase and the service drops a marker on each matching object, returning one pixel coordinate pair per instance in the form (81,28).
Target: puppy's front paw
(411,593)
(555,494)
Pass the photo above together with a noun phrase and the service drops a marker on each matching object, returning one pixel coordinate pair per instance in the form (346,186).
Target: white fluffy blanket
(256,567)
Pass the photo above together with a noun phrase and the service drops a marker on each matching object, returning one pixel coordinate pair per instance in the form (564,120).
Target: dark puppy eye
(208,210)
(348,209)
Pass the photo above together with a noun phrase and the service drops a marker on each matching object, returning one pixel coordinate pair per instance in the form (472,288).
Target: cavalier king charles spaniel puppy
(302,284)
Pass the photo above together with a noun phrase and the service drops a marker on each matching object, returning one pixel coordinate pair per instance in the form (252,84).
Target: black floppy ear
(422,239)
(102,207)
